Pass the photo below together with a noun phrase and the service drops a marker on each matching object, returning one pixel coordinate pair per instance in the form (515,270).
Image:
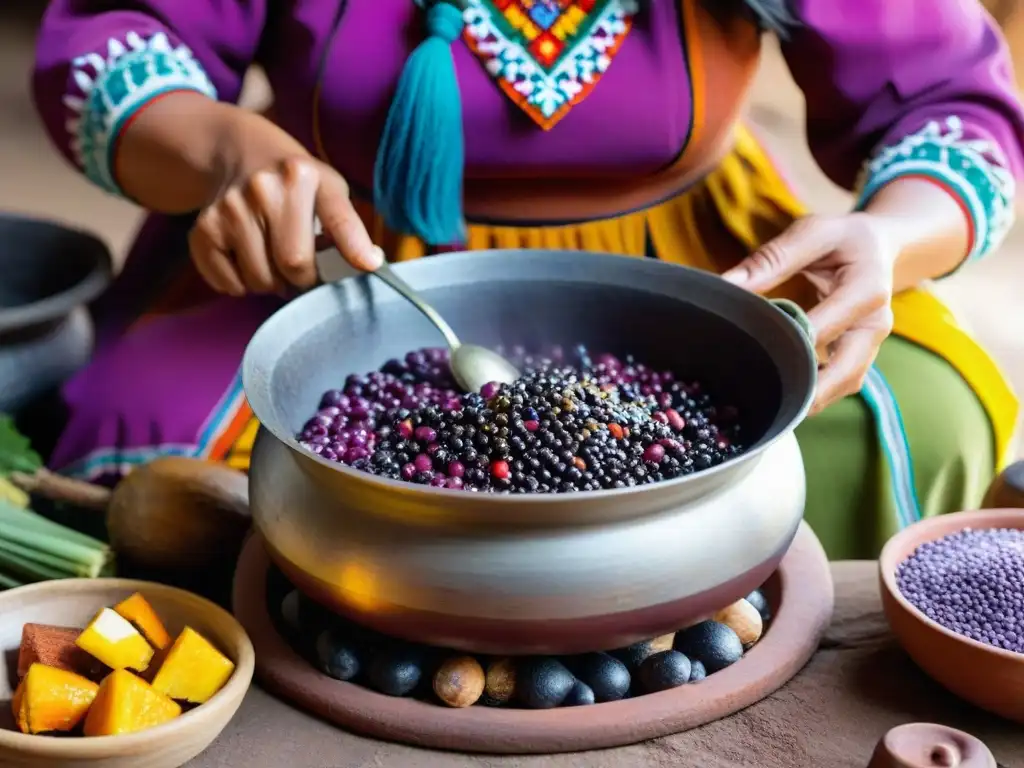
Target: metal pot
(48,273)
(546,573)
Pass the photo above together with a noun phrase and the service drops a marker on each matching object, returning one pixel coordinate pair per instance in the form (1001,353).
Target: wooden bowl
(73,603)
(990,678)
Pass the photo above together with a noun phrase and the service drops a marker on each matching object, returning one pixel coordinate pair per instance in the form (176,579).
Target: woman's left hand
(850,261)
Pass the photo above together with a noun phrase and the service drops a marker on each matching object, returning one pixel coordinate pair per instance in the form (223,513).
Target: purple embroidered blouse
(892,87)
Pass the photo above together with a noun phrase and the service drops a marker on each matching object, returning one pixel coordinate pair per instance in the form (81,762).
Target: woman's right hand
(257,234)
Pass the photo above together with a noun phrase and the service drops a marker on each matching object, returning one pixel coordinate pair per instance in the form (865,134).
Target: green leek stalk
(34,548)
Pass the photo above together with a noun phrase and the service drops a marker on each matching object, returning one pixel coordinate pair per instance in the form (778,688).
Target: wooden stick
(56,487)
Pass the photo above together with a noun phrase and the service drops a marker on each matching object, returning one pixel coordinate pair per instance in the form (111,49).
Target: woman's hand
(850,261)
(257,235)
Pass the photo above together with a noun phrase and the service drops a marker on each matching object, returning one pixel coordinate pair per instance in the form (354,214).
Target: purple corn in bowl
(972,583)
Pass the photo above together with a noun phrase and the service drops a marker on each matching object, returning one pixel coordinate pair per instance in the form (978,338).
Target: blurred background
(35,180)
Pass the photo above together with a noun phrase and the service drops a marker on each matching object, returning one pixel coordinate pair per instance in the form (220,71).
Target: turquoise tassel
(417,178)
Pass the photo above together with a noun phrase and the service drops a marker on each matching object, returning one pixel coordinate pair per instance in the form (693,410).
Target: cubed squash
(141,614)
(49,700)
(126,704)
(55,647)
(18,707)
(113,640)
(194,670)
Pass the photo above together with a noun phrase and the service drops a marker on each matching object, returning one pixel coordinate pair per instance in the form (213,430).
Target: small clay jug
(927,745)
(1007,490)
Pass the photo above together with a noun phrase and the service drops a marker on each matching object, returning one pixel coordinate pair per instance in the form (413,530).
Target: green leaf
(16,454)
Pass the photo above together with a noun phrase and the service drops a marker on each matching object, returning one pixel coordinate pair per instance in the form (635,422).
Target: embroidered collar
(547,55)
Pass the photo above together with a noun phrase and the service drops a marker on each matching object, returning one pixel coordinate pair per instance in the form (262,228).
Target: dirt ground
(35,180)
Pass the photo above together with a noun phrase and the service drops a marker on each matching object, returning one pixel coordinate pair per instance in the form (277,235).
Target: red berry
(675,421)
(532,425)
(500,469)
(616,431)
(654,453)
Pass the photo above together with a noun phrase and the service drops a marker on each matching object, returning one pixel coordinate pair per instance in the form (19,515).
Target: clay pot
(988,677)
(1007,490)
(926,745)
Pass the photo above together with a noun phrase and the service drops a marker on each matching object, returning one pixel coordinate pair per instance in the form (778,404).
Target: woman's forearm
(930,228)
(182,151)
(172,157)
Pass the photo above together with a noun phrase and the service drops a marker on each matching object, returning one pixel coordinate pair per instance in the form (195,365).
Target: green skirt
(851,500)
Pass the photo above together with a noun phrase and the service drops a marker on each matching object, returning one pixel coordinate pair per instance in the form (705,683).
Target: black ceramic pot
(48,274)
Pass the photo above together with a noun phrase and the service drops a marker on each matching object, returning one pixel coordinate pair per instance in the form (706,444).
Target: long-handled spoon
(472,366)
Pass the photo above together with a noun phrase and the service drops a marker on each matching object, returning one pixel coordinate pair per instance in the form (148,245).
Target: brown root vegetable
(175,514)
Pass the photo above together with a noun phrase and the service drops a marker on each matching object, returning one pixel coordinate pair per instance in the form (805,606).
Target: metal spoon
(472,366)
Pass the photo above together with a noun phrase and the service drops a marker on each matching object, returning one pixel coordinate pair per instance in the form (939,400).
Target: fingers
(210,253)
(342,224)
(287,199)
(806,241)
(261,233)
(852,356)
(857,294)
(248,241)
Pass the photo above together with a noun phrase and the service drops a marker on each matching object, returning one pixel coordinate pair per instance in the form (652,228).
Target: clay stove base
(800,593)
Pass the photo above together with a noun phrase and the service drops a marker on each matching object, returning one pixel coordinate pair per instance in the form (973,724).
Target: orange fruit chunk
(126,704)
(113,640)
(194,670)
(49,700)
(141,614)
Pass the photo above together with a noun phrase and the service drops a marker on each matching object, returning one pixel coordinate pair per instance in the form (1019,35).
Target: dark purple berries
(559,429)
(972,583)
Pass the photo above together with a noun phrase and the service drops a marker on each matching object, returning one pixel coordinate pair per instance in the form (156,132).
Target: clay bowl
(988,677)
(73,603)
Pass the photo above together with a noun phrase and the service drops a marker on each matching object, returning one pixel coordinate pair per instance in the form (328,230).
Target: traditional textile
(889,479)
(974,170)
(110,86)
(547,55)
(939,86)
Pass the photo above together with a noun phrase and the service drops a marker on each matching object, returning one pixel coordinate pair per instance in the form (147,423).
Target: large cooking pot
(546,573)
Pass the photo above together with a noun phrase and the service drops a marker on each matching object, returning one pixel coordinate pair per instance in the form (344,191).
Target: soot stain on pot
(353,654)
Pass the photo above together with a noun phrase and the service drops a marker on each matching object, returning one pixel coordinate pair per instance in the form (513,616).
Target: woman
(606,125)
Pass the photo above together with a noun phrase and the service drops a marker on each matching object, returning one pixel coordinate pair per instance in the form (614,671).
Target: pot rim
(58,305)
(253,380)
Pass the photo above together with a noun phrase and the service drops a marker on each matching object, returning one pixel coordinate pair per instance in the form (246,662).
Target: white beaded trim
(111,89)
(975,169)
